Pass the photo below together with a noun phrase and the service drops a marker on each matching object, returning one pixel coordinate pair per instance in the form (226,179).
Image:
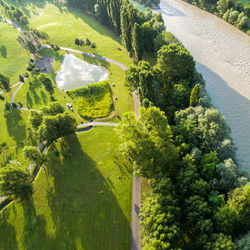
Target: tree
(175,63)
(53,108)
(239,199)
(147,142)
(138,41)
(226,220)
(221,241)
(208,165)
(33,154)
(160,229)
(195,95)
(57,126)
(35,119)
(5,82)
(47,82)
(15,180)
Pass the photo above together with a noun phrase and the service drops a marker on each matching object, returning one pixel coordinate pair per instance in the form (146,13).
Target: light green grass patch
(13,59)
(93,101)
(87,204)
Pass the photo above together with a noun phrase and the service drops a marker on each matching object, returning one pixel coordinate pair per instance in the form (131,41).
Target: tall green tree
(5,82)
(15,180)
(138,41)
(147,142)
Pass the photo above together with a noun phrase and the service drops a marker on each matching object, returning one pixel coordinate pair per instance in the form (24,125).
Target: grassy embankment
(87,204)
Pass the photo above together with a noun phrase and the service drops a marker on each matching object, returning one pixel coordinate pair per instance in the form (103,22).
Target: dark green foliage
(138,41)
(239,199)
(47,82)
(35,119)
(53,127)
(15,180)
(175,63)
(4,82)
(53,108)
(2,98)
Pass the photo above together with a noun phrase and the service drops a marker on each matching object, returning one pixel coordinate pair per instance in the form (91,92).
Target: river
(222,55)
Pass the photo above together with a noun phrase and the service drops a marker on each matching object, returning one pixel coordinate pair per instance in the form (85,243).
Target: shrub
(93,101)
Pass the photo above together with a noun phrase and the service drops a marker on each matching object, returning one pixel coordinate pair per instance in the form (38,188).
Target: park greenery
(236,12)
(198,198)
(93,101)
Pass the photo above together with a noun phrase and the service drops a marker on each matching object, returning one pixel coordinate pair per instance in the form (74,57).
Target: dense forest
(198,198)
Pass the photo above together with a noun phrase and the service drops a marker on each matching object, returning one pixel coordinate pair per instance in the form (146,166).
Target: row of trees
(139,31)
(46,125)
(14,14)
(231,11)
(198,196)
(106,11)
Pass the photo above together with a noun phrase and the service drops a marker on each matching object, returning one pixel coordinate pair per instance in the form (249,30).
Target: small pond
(75,73)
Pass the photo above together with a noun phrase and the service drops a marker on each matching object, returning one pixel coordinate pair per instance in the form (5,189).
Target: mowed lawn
(13,59)
(64,25)
(87,204)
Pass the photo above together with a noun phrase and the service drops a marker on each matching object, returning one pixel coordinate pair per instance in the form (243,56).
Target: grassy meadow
(13,59)
(87,204)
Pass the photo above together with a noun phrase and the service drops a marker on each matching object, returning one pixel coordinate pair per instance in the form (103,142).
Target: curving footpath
(136,183)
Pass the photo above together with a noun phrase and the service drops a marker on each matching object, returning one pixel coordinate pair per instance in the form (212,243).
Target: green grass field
(88,204)
(13,58)
(93,101)
(73,23)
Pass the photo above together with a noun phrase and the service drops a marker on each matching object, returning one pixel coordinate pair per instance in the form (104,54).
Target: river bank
(222,55)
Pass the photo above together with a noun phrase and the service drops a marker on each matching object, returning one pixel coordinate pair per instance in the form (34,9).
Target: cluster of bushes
(51,123)
(231,11)
(94,101)
(41,34)
(199,198)
(87,42)
(13,105)
(54,47)
(30,41)
(14,14)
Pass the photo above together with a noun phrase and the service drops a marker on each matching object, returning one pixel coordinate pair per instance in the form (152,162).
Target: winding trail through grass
(136,184)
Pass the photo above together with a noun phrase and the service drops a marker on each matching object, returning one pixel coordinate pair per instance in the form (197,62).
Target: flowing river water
(222,55)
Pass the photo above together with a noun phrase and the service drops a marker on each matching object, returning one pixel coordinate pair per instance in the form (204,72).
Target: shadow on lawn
(94,24)
(3,50)
(8,233)
(16,126)
(84,209)
(34,231)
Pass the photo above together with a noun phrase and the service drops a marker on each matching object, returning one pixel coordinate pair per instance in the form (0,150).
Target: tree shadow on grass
(95,25)
(16,126)
(29,100)
(84,209)
(34,231)
(8,233)
(3,51)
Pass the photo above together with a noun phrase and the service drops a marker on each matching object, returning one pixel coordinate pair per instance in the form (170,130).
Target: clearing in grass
(94,101)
